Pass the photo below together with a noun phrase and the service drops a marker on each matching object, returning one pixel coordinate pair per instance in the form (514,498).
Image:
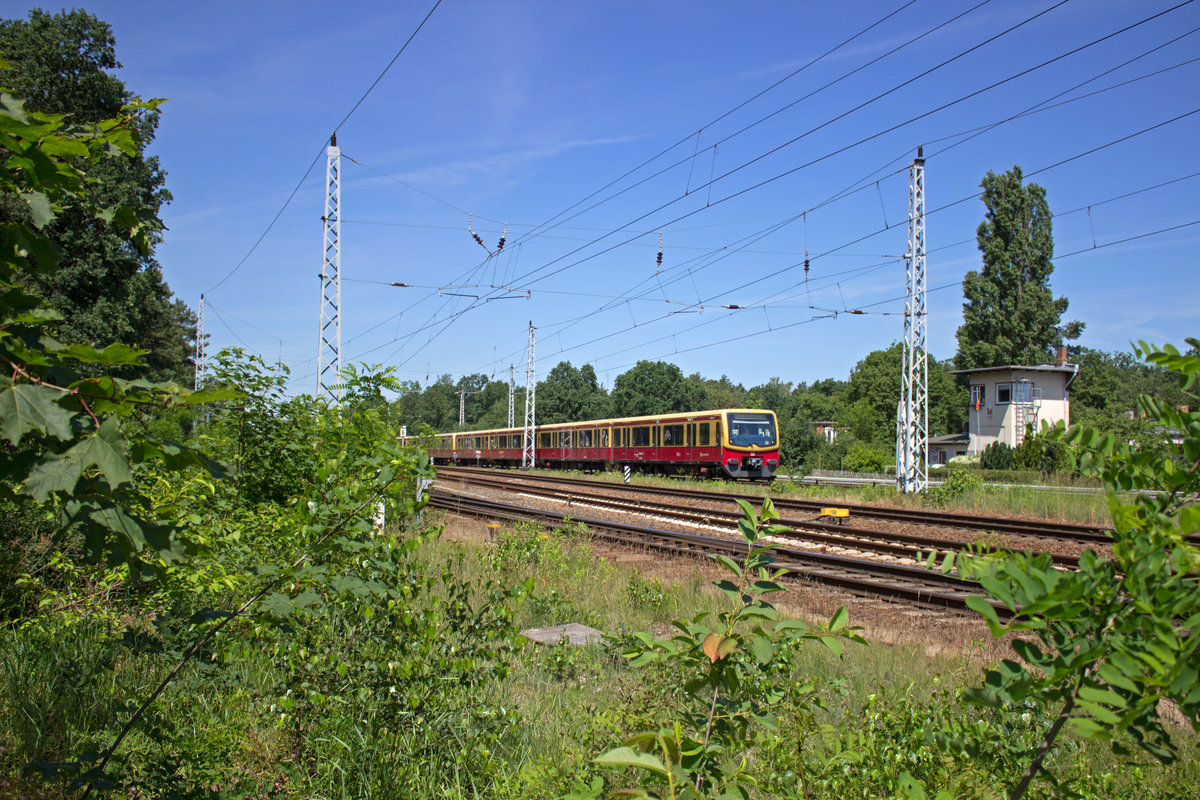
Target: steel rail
(874,578)
(902,545)
(1089,534)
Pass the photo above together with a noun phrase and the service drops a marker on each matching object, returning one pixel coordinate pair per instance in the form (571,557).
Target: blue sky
(523,112)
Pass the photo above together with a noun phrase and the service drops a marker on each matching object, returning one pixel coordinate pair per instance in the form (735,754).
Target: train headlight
(731,462)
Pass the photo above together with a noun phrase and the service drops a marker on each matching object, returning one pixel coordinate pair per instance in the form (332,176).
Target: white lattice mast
(512,390)
(912,471)
(329,327)
(201,347)
(529,451)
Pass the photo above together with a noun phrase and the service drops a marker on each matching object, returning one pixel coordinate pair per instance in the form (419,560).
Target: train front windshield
(746,430)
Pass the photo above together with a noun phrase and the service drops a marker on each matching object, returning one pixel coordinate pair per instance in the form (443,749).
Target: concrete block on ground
(575,634)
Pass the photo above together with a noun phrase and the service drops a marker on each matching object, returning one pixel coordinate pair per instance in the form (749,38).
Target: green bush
(956,485)
(997,455)
(1043,453)
(864,458)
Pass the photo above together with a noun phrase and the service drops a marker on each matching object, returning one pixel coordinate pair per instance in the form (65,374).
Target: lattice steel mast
(529,451)
(512,389)
(912,471)
(201,347)
(329,326)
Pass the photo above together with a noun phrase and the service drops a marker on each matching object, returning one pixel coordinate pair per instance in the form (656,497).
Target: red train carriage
(736,443)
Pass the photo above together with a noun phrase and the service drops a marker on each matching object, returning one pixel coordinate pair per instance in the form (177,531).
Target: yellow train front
(737,443)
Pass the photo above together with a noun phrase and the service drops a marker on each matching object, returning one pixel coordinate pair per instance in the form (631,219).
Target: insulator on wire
(503,239)
(475,235)
(806,264)
(660,248)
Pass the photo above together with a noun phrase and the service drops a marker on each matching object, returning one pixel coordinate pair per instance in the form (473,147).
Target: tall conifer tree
(1010,314)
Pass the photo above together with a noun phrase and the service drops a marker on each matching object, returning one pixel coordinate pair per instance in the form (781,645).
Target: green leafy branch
(1102,646)
(738,662)
(336,525)
(67,434)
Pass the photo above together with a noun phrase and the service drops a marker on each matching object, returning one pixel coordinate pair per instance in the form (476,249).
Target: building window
(978,396)
(1023,392)
(1003,393)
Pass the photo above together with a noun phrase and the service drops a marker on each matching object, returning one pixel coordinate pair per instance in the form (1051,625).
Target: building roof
(1067,368)
(950,438)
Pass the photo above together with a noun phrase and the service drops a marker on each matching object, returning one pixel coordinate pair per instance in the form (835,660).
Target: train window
(604,437)
(641,437)
(545,440)
(672,435)
(704,434)
(657,435)
(585,438)
(568,440)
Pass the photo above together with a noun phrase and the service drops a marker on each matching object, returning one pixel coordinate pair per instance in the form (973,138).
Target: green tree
(774,394)
(872,394)
(1010,315)
(1112,382)
(69,439)
(568,395)
(106,289)
(722,393)
(654,387)
(440,404)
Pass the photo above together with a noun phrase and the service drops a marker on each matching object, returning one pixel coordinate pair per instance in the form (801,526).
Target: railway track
(907,584)
(793,507)
(804,534)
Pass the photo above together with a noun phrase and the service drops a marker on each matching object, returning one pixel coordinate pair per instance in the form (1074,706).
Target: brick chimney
(1061,360)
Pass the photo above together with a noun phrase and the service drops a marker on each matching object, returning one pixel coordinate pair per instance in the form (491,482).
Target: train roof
(679,415)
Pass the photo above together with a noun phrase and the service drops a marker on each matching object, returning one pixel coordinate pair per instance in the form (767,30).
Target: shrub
(997,455)
(1043,453)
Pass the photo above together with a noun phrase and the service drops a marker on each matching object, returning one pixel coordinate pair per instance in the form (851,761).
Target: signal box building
(1006,401)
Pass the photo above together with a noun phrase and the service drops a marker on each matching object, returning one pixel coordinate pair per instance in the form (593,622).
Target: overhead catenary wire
(320,152)
(731,111)
(1024,72)
(866,139)
(673,245)
(992,125)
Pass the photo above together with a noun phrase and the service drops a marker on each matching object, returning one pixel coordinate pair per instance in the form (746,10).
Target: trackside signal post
(912,471)
(329,325)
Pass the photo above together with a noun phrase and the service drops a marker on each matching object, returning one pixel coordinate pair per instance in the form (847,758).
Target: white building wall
(995,420)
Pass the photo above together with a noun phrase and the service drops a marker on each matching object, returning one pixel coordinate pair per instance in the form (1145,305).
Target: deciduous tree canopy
(654,387)
(568,394)
(106,290)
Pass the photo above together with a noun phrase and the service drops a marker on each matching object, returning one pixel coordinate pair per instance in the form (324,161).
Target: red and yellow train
(737,443)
